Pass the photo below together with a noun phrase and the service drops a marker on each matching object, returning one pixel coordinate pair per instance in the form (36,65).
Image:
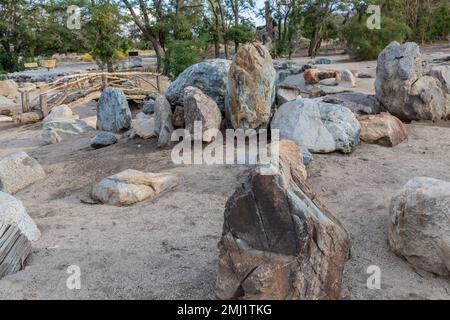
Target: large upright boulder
(18,171)
(321,127)
(419,224)
(279,241)
(251,87)
(163,121)
(199,107)
(17,230)
(113,112)
(210,76)
(404,90)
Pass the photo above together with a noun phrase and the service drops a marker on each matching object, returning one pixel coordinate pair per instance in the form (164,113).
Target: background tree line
(183,32)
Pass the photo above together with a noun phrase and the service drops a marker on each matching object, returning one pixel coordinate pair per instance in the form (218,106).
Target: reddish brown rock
(279,241)
(383,129)
(313,76)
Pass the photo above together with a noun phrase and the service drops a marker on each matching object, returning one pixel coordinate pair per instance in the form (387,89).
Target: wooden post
(104,80)
(44,104)
(27,101)
(158,85)
(22,98)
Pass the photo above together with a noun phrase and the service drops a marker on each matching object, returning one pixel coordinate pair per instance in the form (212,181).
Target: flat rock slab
(18,171)
(132,186)
(59,130)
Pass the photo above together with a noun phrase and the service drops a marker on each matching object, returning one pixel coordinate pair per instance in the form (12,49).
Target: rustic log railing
(76,89)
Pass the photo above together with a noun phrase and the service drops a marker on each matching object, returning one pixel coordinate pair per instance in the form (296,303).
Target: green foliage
(9,62)
(366,44)
(181,54)
(242,33)
(103,33)
(440,27)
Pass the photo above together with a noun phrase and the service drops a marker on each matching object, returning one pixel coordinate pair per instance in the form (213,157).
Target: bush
(9,62)
(120,55)
(181,54)
(87,57)
(366,44)
(440,28)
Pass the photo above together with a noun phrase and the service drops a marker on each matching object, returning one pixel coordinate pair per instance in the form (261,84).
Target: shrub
(440,26)
(181,54)
(9,62)
(366,44)
(87,57)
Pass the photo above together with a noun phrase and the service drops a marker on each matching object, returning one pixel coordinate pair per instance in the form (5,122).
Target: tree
(103,32)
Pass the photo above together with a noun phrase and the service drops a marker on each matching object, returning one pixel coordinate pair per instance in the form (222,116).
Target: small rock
(149,107)
(346,79)
(322,61)
(18,171)
(383,129)
(103,139)
(287,94)
(144,127)
(132,186)
(61,112)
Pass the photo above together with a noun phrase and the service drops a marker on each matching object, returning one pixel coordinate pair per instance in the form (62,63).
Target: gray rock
(61,112)
(359,103)
(12,212)
(365,75)
(307,156)
(322,61)
(163,121)
(287,94)
(60,129)
(113,112)
(149,107)
(103,139)
(442,73)
(136,62)
(402,88)
(321,127)
(419,224)
(210,76)
(199,107)
(18,171)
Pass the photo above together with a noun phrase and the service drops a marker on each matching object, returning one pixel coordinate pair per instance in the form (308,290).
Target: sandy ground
(166,248)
